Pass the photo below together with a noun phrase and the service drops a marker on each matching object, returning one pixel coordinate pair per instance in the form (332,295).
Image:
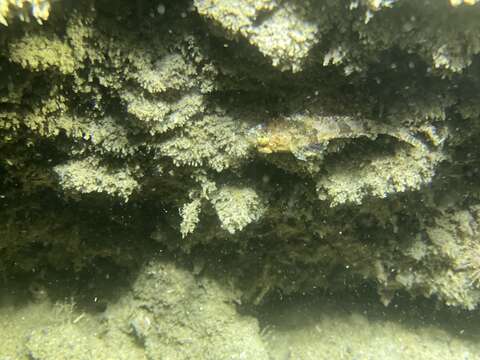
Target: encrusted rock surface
(286,145)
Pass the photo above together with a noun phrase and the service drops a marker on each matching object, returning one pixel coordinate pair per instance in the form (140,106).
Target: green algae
(278,147)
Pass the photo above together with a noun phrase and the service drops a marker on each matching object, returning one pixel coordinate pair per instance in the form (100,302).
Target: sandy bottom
(349,328)
(40,327)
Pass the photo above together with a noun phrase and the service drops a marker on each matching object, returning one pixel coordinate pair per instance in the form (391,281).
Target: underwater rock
(23,9)
(281,31)
(179,316)
(287,145)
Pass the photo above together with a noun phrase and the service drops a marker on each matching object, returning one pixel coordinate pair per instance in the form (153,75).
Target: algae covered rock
(281,31)
(39,9)
(287,145)
(237,207)
(178,316)
(95,178)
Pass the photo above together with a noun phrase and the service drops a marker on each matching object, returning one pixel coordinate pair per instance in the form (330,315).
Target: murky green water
(239,179)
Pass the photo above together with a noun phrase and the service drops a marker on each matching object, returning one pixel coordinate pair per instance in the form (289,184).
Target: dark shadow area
(410,313)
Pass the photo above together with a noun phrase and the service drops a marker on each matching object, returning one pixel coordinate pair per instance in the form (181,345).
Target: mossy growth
(335,156)
(237,207)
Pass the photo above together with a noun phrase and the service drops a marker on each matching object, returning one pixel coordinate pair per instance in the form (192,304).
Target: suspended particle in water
(161,9)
